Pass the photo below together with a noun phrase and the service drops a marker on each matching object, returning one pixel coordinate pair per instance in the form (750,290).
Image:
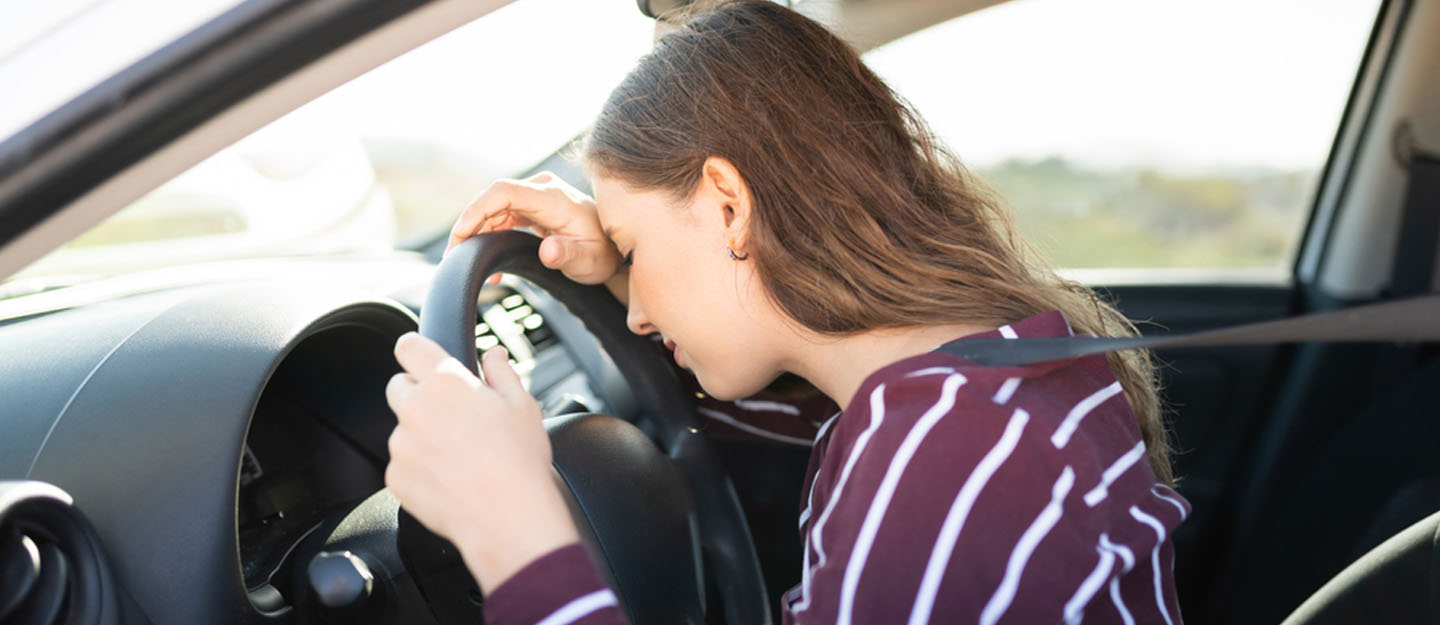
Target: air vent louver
(51,568)
(512,316)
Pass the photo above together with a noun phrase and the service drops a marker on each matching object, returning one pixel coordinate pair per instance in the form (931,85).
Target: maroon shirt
(948,493)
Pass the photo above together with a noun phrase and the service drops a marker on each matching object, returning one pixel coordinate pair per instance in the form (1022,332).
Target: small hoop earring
(733,256)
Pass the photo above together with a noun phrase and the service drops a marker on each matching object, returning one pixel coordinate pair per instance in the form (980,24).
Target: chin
(729,388)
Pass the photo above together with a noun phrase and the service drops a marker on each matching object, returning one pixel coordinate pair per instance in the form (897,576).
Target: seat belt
(1412,319)
(1409,320)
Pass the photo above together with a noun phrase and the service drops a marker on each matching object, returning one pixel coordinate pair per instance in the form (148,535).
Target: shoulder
(927,426)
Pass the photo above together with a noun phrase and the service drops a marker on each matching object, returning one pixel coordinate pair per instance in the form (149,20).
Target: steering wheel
(608,466)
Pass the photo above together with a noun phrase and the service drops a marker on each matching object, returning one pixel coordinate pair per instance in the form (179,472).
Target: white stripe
(1155,558)
(1127,560)
(805,514)
(1120,602)
(878,506)
(1127,557)
(1007,390)
(825,427)
(1008,332)
(1101,490)
(930,371)
(959,512)
(1075,607)
(1173,501)
(580,608)
(1062,435)
(762,433)
(804,601)
(760,405)
(1005,594)
(877,415)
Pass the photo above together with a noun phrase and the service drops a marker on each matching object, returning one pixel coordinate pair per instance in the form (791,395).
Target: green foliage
(1092,218)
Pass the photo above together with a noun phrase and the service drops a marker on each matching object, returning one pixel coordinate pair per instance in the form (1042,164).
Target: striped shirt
(953,493)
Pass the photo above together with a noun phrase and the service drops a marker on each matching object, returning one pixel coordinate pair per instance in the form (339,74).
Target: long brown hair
(861,218)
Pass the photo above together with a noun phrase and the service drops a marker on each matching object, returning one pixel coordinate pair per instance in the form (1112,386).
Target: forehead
(618,204)
(606,201)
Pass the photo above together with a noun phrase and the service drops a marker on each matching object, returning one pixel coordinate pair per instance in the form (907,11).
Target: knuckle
(394,443)
(395,482)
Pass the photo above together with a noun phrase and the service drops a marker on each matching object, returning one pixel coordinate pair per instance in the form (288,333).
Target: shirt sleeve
(558,588)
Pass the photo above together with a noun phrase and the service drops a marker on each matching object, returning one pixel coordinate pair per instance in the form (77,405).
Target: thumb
(553,252)
(501,376)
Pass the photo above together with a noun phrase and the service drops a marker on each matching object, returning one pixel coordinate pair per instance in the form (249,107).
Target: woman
(766,204)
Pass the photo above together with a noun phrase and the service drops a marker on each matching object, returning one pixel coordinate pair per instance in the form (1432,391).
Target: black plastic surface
(19,570)
(74,579)
(46,359)
(639,508)
(169,409)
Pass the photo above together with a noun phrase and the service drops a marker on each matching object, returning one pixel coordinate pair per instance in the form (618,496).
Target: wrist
(526,530)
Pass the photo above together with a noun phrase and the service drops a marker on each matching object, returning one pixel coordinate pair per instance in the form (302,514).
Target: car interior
(205,442)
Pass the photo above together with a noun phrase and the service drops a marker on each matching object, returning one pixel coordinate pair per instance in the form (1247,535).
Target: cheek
(743,351)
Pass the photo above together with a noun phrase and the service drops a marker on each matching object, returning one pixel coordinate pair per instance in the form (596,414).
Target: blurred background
(1164,140)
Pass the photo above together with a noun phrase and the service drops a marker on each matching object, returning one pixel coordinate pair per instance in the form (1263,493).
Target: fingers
(505,204)
(565,218)
(420,356)
(552,252)
(400,387)
(492,201)
(502,377)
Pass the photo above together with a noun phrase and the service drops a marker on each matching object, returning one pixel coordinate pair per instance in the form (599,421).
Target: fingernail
(503,354)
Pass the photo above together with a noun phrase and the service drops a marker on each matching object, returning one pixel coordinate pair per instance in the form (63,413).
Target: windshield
(1130,144)
(50,47)
(385,161)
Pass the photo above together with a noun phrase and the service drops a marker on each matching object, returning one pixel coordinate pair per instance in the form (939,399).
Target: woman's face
(710,309)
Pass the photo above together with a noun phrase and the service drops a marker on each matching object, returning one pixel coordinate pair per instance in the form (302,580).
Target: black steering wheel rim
(667,412)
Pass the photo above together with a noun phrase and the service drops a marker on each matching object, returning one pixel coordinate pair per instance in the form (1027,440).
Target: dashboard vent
(530,321)
(506,316)
(51,568)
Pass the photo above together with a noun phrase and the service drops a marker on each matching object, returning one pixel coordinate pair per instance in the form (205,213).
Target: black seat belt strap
(1410,320)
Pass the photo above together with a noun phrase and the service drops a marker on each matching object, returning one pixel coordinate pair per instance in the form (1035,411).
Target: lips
(674,352)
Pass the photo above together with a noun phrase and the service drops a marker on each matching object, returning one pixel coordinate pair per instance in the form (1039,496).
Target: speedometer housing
(191,373)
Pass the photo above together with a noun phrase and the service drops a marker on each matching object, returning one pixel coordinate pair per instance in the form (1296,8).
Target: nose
(635,318)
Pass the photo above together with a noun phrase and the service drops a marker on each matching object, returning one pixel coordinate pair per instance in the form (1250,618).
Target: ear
(725,191)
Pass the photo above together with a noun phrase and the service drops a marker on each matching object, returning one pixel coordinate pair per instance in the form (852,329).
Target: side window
(1135,134)
(389,159)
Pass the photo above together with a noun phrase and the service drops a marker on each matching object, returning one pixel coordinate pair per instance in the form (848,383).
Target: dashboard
(208,431)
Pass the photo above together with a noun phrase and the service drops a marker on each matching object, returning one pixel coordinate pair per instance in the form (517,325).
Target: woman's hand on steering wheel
(470,460)
(574,242)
